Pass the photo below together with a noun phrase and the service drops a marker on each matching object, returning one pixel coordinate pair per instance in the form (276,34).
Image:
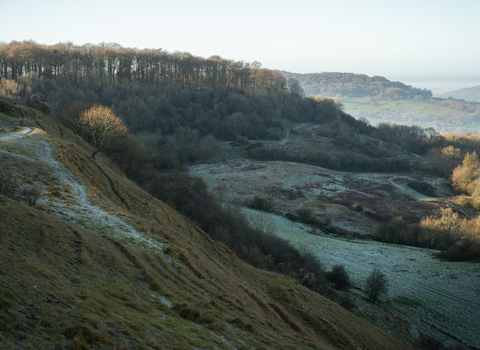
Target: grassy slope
(408,112)
(65,286)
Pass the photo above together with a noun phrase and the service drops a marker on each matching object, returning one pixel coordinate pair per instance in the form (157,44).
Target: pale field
(328,193)
(441,298)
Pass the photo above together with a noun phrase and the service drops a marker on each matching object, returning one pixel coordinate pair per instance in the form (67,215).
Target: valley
(436,297)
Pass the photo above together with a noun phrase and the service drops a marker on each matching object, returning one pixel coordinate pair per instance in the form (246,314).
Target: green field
(412,112)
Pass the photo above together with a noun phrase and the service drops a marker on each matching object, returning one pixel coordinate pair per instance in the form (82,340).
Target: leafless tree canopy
(99,65)
(376,285)
(101,128)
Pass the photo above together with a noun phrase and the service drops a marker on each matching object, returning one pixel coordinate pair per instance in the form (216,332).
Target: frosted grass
(446,294)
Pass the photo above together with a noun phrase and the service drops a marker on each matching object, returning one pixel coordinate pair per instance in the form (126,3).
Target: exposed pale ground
(328,193)
(441,297)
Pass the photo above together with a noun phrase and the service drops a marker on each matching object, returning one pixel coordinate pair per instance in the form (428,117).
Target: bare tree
(10,186)
(376,285)
(31,195)
(101,128)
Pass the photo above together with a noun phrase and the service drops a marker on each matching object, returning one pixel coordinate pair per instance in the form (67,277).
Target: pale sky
(373,37)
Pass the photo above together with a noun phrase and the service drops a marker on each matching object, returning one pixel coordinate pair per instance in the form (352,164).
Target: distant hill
(355,85)
(468,94)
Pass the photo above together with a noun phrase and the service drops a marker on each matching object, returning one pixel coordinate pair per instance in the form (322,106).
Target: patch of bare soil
(328,193)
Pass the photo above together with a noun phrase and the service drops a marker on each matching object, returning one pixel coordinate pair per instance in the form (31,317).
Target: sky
(408,38)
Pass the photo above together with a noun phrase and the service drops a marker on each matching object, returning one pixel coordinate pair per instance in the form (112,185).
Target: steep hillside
(99,263)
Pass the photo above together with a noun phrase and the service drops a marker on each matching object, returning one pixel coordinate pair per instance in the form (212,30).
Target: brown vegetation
(101,128)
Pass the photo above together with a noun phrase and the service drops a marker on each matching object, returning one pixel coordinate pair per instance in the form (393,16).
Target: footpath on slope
(76,207)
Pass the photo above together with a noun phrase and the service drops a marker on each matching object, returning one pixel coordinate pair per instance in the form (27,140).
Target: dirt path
(76,207)
(24,131)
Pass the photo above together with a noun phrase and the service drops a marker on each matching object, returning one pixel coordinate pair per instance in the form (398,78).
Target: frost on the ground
(328,193)
(166,302)
(76,207)
(445,294)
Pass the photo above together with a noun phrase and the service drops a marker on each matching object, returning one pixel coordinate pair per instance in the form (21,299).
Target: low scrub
(339,277)
(347,302)
(357,207)
(259,203)
(13,188)
(457,238)
(423,188)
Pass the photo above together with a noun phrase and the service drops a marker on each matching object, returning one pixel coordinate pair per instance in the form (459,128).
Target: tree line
(109,63)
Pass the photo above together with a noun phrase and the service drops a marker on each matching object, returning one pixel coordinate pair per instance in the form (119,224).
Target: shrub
(423,188)
(242,140)
(31,195)
(264,204)
(339,277)
(291,217)
(308,280)
(387,233)
(356,207)
(307,216)
(348,302)
(376,285)
(10,186)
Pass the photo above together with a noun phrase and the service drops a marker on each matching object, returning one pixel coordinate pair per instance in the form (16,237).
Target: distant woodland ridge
(355,85)
(468,94)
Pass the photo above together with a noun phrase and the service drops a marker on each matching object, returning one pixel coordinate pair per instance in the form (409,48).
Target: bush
(264,204)
(10,186)
(339,277)
(307,216)
(423,188)
(376,285)
(348,302)
(356,207)
(291,217)
(242,140)
(31,195)
(387,233)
